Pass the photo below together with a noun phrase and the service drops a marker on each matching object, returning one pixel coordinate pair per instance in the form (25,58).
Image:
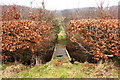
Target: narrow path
(60,52)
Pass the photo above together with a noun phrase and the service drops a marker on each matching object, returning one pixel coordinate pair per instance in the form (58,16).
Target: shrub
(33,37)
(96,36)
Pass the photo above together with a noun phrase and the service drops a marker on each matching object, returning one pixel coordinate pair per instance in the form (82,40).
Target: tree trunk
(38,60)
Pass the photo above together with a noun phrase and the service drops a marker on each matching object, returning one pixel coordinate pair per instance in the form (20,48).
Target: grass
(3,66)
(52,70)
(61,37)
(55,69)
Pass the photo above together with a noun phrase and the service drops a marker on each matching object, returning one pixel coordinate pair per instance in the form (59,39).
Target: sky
(59,4)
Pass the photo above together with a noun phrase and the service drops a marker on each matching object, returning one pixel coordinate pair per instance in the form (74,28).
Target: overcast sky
(60,4)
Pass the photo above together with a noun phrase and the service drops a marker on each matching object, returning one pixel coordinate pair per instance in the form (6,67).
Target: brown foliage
(100,35)
(25,34)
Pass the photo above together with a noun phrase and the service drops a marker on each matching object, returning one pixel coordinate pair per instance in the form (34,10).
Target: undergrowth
(55,69)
